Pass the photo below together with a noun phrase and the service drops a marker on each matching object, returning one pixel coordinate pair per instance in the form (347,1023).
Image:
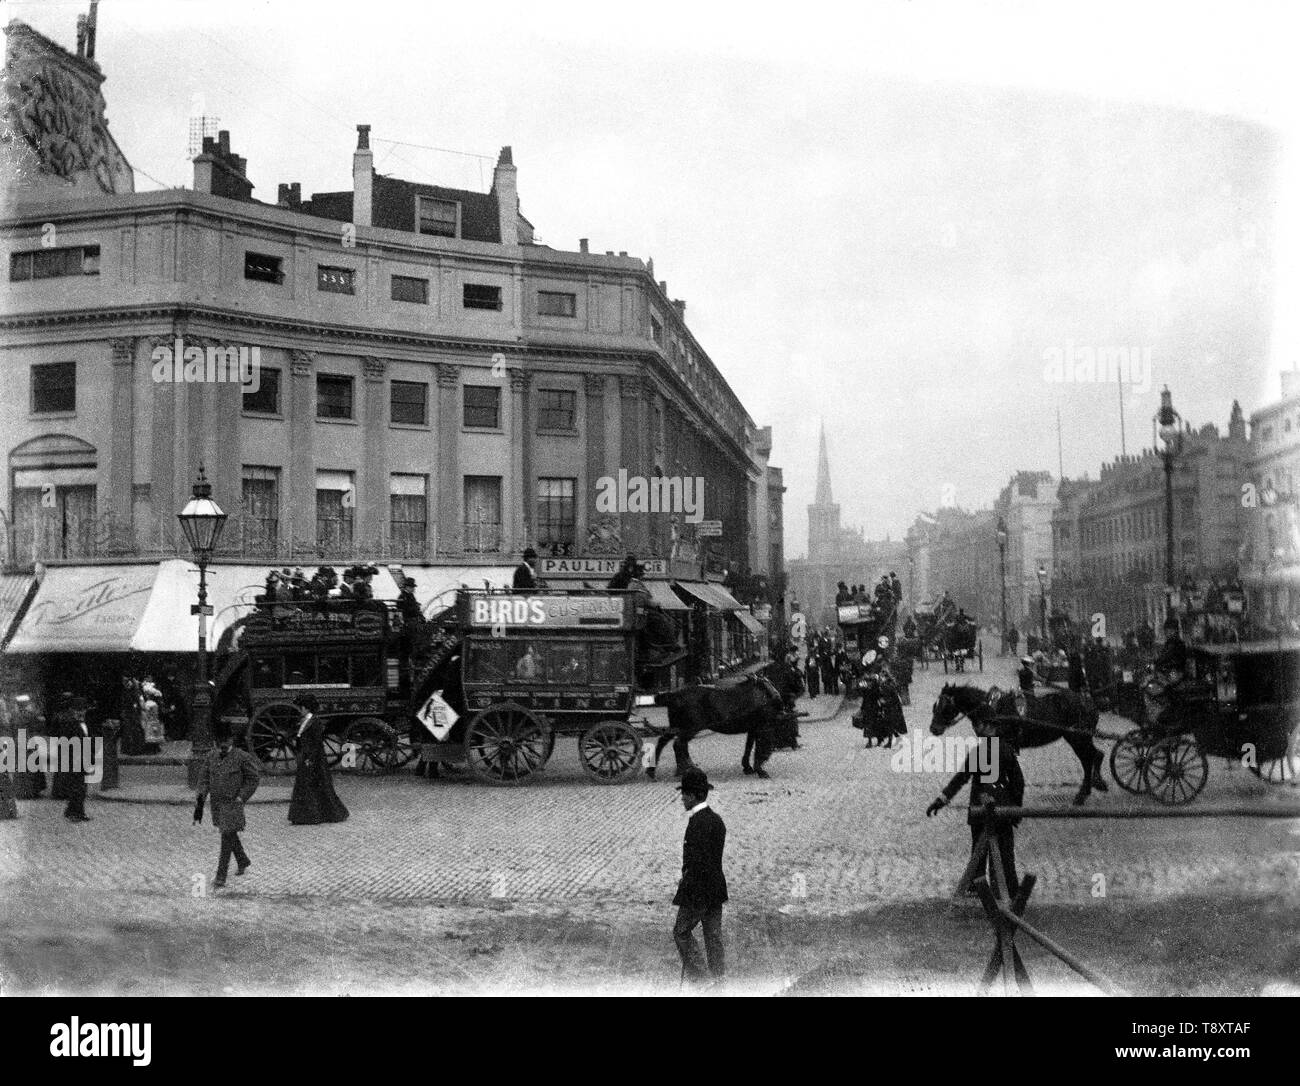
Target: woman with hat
(314,800)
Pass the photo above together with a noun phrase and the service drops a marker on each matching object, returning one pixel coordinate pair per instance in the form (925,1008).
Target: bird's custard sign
(546,611)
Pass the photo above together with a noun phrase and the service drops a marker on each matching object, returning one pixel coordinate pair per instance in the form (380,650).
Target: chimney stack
(505,187)
(91,22)
(680,306)
(221,173)
(363,178)
(290,196)
(663,285)
(582,245)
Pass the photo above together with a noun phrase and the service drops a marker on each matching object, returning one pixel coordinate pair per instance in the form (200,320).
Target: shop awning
(664,596)
(86,609)
(749,622)
(14,591)
(715,596)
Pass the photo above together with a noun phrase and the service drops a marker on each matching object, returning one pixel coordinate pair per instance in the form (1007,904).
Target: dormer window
(441,218)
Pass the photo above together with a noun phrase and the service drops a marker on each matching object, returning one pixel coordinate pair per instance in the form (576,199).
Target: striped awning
(664,596)
(749,622)
(712,595)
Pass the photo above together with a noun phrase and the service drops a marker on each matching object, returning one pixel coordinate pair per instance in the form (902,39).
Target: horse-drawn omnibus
(488,681)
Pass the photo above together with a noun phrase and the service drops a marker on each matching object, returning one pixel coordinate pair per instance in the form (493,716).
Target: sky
(908,222)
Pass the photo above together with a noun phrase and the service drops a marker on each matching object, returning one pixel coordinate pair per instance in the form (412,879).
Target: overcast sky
(892,217)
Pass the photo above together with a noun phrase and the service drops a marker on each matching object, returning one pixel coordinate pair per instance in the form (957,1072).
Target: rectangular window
(482,513)
(263,268)
(482,407)
(556,409)
(266,400)
(63,528)
(437,217)
(556,520)
(333,396)
(656,331)
(336,280)
(481,296)
(54,263)
(407,288)
(554,303)
(261,509)
(408,402)
(54,387)
(409,506)
(335,503)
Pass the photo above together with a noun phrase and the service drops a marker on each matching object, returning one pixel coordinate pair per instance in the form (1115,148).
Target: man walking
(231,776)
(703,887)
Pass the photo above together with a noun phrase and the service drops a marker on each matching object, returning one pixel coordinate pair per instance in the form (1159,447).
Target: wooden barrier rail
(995,895)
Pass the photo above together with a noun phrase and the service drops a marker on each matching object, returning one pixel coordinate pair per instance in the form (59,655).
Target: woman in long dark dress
(314,800)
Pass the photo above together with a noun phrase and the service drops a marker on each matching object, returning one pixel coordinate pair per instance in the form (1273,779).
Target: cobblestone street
(834,831)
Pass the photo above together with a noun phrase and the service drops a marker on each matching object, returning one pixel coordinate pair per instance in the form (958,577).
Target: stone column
(519,523)
(632,391)
(372,483)
(121,450)
(450,528)
(594,389)
(298,490)
(165,473)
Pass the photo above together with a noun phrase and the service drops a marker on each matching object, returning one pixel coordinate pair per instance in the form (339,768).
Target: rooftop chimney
(363,178)
(582,245)
(680,306)
(220,172)
(290,196)
(505,187)
(91,21)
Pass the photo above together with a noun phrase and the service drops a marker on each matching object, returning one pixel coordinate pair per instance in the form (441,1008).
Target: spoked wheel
(610,751)
(1178,770)
(979,647)
(506,744)
(1130,759)
(334,745)
(272,736)
(374,746)
(1284,770)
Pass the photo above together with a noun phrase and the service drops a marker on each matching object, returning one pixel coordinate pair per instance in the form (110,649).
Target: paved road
(834,830)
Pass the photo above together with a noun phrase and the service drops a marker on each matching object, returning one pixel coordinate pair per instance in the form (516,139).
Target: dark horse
(752,708)
(1063,708)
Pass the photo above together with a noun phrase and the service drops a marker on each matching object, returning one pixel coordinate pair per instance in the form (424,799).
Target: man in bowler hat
(525,578)
(703,887)
(230,776)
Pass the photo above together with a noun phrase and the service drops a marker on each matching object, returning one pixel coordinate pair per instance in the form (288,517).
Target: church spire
(823,496)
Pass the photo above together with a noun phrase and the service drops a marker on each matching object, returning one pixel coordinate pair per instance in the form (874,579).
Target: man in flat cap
(703,887)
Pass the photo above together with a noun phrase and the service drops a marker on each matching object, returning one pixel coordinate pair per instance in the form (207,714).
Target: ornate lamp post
(1171,438)
(1002,555)
(201,521)
(1042,602)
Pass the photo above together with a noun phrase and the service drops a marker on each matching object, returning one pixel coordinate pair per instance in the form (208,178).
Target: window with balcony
(482,513)
(54,263)
(335,504)
(482,407)
(333,396)
(408,402)
(54,387)
(260,519)
(556,514)
(409,514)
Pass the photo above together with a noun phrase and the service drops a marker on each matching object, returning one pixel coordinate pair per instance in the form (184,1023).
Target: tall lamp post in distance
(1169,423)
(1002,555)
(1042,603)
(201,520)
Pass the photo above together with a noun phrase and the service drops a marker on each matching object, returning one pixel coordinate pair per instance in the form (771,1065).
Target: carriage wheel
(1284,770)
(272,736)
(334,748)
(506,744)
(610,751)
(1178,770)
(1130,759)
(373,745)
(979,646)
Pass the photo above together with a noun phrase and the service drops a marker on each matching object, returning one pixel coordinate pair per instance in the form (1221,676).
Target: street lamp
(201,521)
(1043,602)
(1002,554)
(1171,437)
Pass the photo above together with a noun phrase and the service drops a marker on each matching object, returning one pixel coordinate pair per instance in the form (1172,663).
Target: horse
(750,708)
(1063,708)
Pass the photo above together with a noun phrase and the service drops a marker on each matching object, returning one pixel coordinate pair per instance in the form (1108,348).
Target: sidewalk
(165,783)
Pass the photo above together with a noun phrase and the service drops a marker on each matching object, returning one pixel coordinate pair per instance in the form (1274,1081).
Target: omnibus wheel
(1284,770)
(371,746)
(506,744)
(272,736)
(1178,770)
(610,751)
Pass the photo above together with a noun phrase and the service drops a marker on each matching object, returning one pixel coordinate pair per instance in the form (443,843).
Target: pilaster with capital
(521,456)
(632,397)
(300,488)
(449,485)
(121,449)
(373,484)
